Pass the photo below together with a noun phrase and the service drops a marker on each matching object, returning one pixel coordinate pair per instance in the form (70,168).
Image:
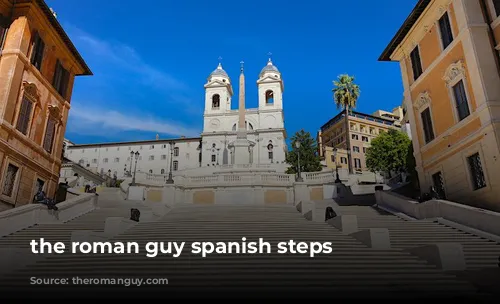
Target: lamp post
(130,168)
(170,180)
(136,154)
(299,176)
(337,178)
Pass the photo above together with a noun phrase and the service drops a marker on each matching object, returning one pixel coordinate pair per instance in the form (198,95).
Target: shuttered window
(416,64)
(445,29)
(427,125)
(61,78)
(37,51)
(461,100)
(49,135)
(24,116)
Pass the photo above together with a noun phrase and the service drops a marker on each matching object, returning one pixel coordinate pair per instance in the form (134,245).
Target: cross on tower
(220,59)
(270,55)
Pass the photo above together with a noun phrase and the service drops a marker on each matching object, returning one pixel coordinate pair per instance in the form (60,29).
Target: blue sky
(151,59)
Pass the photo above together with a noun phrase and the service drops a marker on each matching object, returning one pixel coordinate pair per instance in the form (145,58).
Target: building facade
(362,129)
(155,156)
(448,51)
(265,127)
(38,64)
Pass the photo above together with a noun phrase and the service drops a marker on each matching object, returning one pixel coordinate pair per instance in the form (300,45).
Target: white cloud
(97,121)
(126,57)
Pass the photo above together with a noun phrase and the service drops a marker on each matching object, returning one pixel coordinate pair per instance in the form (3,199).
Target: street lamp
(299,177)
(131,157)
(337,179)
(136,154)
(170,180)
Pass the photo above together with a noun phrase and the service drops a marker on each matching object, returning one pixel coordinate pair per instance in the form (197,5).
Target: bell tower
(218,91)
(270,87)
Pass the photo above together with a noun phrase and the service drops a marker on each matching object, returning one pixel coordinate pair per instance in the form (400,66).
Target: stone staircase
(352,269)
(404,234)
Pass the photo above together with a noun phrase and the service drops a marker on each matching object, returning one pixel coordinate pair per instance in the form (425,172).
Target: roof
(59,29)
(404,29)
(369,117)
(123,143)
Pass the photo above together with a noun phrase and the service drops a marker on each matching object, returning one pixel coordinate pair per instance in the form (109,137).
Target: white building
(265,126)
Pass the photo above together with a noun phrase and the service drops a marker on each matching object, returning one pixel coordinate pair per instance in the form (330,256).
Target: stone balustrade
(236,179)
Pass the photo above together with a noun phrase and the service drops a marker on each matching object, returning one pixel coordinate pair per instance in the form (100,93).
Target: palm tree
(345,96)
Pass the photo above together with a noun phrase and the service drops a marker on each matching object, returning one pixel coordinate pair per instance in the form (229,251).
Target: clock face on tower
(214,123)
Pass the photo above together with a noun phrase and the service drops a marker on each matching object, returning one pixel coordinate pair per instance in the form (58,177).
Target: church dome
(269,68)
(219,71)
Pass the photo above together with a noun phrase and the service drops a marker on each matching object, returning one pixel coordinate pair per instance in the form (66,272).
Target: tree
(345,96)
(388,152)
(309,159)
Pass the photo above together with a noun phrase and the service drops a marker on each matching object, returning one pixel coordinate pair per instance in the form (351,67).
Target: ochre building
(362,129)
(449,57)
(38,64)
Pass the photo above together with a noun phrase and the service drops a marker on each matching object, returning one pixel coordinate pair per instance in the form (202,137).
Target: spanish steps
(351,269)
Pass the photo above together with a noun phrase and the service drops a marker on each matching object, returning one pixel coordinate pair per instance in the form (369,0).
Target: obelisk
(241,102)
(241,144)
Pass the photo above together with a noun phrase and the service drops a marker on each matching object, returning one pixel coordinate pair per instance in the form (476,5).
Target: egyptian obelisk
(241,145)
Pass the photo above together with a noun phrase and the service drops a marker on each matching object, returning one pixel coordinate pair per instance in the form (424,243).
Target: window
(270,155)
(269,97)
(215,101)
(61,79)
(164,156)
(151,147)
(49,135)
(496,4)
(24,116)
(332,158)
(38,47)
(105,160)
(364,149)
(364,138)
(176,151)
(162,171)
(476,172)
(163,146)
(416,64)
(151,171)
(427,125)
(117,159)
(355,137)
(176,165)
(437,181)
(3,29)
(343,160)
(445,30)
(213,158)
(461,100)
(10,180)
(39,184)
(357,163)
(355,149)
(151,157)
(94,161)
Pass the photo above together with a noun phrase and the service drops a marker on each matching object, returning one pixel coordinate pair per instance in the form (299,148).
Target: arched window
(216,101)
(269,97)
(248,126)
(162,171)
(150,170)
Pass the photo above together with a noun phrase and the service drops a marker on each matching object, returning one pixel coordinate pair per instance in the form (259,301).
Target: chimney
(53,12)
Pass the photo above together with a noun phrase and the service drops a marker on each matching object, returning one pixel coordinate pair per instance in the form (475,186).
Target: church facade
(264,126)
